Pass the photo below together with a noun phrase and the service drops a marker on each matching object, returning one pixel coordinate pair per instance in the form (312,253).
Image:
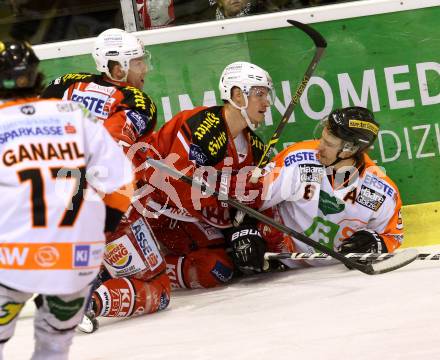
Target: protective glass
(317,131)
(141,63)
(263,93)
(318,135)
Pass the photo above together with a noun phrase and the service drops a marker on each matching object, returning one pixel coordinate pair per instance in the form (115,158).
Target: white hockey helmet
(117,45)
(245,76)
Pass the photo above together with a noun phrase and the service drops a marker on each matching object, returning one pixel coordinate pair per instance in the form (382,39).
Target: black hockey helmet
(18,65)
(354,125)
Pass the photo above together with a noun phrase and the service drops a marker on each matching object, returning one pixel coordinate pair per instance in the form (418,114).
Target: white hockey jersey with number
(54,158)
(327,209)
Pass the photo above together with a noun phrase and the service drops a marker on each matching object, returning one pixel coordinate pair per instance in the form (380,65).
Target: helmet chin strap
(338,159)
(248,121)
(345,148)
(243,111)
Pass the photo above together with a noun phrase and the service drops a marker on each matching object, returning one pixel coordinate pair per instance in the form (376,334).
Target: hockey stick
(401,259)
(353,256)
(320,45)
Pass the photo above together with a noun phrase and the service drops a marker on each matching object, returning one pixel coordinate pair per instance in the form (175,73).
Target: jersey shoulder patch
(141,122)
(69,79)
(140,109)
(209,137)
(136,99)
(370,198)
(257,146)
(379,183)
(57,87)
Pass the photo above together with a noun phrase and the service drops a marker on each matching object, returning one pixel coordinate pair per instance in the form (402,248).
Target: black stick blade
(317,38)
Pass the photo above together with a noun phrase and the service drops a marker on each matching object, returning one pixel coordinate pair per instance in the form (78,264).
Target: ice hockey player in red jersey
(330,190)
(56,159)
(134,280)
(213,144)
(114,96)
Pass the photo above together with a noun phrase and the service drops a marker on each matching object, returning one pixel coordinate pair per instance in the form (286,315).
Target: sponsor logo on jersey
(378,184)
(8,124)
(13,256)
(146,243)
(209,122)
(96,254)
(370,198)
(67,106)
(75,77)
(310,173)
(93,101)
(37,256)
(47,256)
(222,272)
(28,109)
(138,120)
(108,90)
(85,273)
(330,204)
(31,131)
(117,255)
(81,255)
(142,101)
(299,156)
(256,143)
(217,143)
(196,154)
(211,129)
(69,128)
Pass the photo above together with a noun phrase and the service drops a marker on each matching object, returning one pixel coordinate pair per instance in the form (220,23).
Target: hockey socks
(124,297)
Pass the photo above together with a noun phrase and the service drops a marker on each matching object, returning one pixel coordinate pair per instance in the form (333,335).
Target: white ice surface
(326,313)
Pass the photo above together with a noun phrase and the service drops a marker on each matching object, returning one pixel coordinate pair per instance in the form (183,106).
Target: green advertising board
(389,63)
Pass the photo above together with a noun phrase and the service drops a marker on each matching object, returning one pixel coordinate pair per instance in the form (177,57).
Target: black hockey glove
(364,241)
(248,248)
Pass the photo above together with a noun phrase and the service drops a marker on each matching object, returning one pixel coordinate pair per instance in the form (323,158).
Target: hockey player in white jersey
(64,181)
(331,191)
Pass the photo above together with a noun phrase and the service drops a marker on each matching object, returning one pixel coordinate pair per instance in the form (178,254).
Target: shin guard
(126,297)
